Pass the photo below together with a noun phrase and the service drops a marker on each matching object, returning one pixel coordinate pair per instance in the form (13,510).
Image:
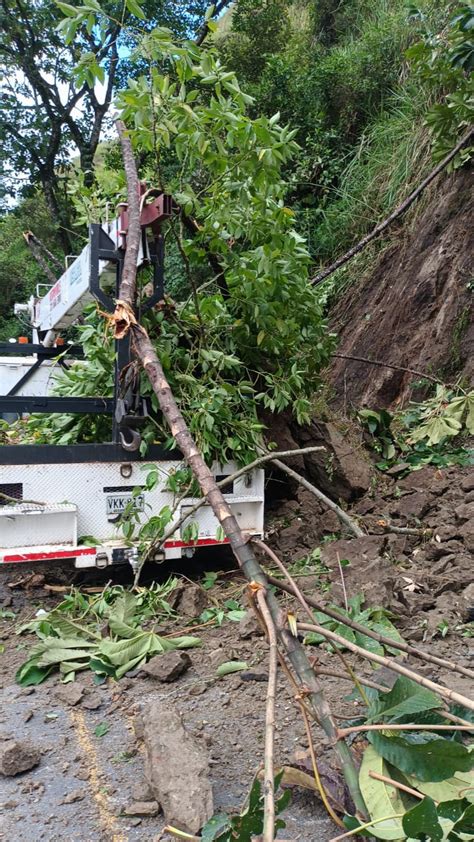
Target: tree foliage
(59,75)
(253,337)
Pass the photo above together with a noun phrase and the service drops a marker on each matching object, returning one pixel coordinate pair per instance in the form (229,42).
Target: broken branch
(269,775)
(241,546)
(390,726)
(317,779)
(349,522)
(221,484)
(452,695)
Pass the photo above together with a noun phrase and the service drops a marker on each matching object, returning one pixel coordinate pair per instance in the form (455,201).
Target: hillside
(413,307)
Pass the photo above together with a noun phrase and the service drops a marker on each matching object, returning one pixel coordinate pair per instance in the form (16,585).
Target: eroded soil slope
(415,307)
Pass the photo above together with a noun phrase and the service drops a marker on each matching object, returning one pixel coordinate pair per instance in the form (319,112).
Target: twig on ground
(269,774)
(423,532)
(382,689)
(442,691)
(380,638)
(364,681)
(306,607)
(391,726)
(341,574)
(396,784)
(365,826)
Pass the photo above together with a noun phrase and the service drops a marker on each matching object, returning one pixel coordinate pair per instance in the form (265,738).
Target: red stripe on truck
(202,542)
(72,553)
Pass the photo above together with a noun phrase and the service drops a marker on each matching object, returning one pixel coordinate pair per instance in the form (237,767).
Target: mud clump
(17,756)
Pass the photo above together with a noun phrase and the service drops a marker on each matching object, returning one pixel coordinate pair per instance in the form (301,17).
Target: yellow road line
(107,819)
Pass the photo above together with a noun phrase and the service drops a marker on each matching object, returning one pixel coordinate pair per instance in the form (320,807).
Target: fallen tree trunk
(125,322)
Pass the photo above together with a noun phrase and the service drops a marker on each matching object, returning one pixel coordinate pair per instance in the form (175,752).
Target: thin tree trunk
(126,322)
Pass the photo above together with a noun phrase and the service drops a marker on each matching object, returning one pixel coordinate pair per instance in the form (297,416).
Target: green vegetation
(373,618)
(431,432)
(72,639)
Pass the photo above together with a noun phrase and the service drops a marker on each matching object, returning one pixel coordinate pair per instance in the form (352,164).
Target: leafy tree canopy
(252,336)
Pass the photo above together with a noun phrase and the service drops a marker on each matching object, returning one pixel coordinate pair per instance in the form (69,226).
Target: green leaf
(185,642)
(236,615)
(30,674)
(67,9)
(453,810)
(381,798)
(102,729)
(421,822)
(231,666)
(404,699)
(466,822)
(135,9)
(462,783)
(435,760)
(214,827)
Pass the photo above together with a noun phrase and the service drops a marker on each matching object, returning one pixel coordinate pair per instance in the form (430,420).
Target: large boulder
(177,768)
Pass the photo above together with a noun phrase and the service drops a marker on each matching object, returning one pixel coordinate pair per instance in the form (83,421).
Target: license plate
(117,503)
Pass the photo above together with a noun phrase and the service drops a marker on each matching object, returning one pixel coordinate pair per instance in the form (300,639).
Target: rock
(426,477)
(341,470)
(193,601)
(249,626)
(415,505)
(464,512)
(435,550)
(467,483)
(365,506)
(369,572)
(142,791)
(468,595)
(447,532)
(167,667)
(17,756)
(198,689)
(177,768)
(72,797)
(142,808)
(466,531)
(71,693)
(92,701)
(218,657)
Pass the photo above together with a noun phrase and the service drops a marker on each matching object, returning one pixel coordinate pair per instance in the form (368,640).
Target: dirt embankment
(415,308)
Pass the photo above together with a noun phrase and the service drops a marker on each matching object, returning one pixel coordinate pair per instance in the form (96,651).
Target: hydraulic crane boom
(64,302)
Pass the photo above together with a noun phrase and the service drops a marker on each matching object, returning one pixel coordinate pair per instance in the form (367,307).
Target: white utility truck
(55,498)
